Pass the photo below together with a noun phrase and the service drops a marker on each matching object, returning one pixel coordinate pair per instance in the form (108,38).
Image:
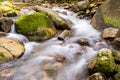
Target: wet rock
(59,22)
(2,34)
(110,33)
(51,67)
(83,41)
(5,24)
(117,56)
(36,27)
(5,55)
(107,15)
(6,74)
(64,34)
(117,76)
(116,43)
(103,62)
(97,76)
(10,46)
(83,4)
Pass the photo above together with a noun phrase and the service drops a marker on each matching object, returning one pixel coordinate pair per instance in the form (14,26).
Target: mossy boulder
(60,23)
(103,62)
(107,15)
(36,26)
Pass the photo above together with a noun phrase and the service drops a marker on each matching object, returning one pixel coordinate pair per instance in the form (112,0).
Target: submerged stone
(103,62)
(36,27)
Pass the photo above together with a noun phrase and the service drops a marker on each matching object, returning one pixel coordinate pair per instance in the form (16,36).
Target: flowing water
(40,61)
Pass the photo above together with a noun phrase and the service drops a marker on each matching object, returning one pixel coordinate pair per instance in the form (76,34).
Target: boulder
(59,22)
(10,49)
(107,15)
(36,27)
(5,24)
(110,33)
(97,76)
(103,62)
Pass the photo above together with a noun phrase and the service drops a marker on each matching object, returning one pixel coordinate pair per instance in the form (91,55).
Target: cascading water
(32,65)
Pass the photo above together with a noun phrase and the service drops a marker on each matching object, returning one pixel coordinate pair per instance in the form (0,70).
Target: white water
(29,66)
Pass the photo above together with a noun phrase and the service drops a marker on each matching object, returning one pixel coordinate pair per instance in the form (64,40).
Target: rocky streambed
(55,44)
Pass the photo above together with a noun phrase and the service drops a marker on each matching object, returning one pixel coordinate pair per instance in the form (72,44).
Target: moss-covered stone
(103,62)
(36,26)
(108,15)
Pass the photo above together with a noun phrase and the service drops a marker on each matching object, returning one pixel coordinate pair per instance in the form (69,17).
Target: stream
(54,59)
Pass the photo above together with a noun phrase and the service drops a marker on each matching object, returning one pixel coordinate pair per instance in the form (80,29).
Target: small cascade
(63,60)
(13,28)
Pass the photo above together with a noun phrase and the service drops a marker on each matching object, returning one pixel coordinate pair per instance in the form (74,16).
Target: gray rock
(5,24)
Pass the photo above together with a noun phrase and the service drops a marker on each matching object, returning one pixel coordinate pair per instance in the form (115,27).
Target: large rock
(10,49)
(36,27)
(107,15)
(110,33)
(103,62)
(5,24)
(59,22)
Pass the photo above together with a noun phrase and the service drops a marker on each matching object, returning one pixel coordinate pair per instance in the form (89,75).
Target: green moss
(36,26)
(115,22)
(28,23)
(1,54)
(105,61)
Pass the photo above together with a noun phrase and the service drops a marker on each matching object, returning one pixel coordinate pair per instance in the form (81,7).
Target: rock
(83,41)
(83,4)
(59,22)
(36,27)
(2,34)
(15,48)
(103,62)
(5,74)
(5,24)
(110,33)
(116,43)
(64,34)
(107,15)
(97,76)
(117,56)
(5,55)
(117,76)
(51,67)
(11,14)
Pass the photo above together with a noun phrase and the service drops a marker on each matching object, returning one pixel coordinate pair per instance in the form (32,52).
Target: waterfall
(13,28)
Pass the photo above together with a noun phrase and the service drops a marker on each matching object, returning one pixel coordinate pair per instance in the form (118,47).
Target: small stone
(83,41)
(110,33)
(5,24)
(97,76)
